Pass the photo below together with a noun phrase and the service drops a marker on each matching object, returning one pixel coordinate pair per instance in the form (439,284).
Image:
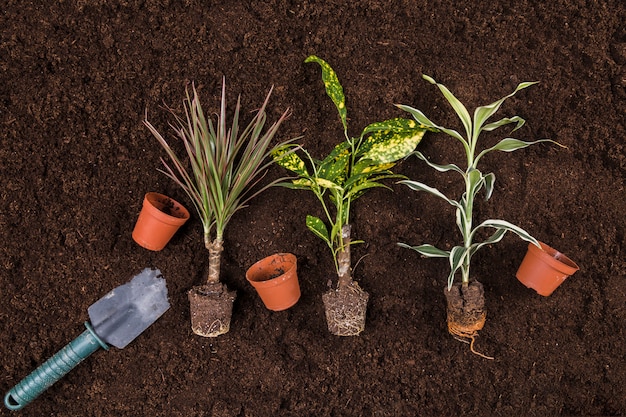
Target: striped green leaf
(510,145)
(482,113)
(507,227)
(458,107)
(428,251)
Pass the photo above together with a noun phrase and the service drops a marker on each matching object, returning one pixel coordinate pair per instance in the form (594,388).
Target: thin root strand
(466,336)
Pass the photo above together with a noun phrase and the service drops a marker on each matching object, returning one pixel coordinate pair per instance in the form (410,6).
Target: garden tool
(116,319)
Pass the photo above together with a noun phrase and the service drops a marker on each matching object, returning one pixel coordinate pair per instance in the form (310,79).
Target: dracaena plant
(223,165)
(460,256)
(354,166)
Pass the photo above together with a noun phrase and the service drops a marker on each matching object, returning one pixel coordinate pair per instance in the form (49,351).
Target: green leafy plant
(224,165)
(354,166)
(460,256)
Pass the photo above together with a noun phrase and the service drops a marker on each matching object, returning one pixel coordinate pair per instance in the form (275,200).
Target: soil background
(75,161)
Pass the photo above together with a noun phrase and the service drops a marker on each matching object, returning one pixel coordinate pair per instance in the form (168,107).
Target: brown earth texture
(76,78)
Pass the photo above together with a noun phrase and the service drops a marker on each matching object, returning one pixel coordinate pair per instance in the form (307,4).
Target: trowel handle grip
(53,369)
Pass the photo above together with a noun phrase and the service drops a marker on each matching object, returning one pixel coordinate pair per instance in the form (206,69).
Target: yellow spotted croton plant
(354,166)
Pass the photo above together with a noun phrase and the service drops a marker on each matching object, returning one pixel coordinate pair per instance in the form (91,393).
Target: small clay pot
(544,269)
(275,279)
(159,219)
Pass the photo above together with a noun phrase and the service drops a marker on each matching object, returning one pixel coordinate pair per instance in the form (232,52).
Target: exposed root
(345,310)
(466,312)
(211,309)
(468,335)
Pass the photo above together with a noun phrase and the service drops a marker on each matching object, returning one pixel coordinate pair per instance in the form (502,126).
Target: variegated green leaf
(303,182)
(298,184)
(333,87)
(461,222)
(419,186)
(482,113)
(507,227)
(285,157)
(428,251)
(458,107)
(389,146)
(519,122)
(373,176)
(397,124)
(510,145)
(440,168)
(456,257)
(367,166)
(475,180)
(335,166)
(317,226)
(490,180)
(356,191)
(328,184)
(423,120)
(495,238)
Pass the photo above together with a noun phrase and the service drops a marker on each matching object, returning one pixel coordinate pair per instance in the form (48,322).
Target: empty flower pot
(159,219)
(275,279)
(544,269)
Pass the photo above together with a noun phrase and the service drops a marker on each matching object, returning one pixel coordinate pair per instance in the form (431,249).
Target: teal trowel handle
(54,369)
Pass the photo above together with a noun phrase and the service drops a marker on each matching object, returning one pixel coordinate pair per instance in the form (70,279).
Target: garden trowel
(116,319)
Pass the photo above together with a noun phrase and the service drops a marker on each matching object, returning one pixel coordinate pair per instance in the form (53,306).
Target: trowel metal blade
(125,312)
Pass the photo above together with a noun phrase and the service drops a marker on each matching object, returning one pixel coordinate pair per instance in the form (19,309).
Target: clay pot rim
(554,258)
(151,199)
(272,282)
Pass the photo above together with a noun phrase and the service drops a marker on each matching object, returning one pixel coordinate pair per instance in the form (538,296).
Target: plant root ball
(466,312)
(211,308)
(345,310)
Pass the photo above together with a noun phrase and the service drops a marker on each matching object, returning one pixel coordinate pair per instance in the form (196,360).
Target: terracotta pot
(159,219)
(275,278)
(544,269)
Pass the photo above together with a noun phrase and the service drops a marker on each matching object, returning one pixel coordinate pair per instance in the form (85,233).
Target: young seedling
(354,166)
(225,167)
(466,313)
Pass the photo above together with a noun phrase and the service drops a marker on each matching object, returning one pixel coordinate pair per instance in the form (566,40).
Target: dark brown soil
(75,162)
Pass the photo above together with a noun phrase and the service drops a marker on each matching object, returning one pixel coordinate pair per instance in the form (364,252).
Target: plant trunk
(215,259)
(346,306)
(211,304)
(466,311)
(343,259)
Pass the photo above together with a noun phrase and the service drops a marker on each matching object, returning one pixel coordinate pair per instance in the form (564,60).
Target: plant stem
(467,233)
(343,258)
(215,255)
